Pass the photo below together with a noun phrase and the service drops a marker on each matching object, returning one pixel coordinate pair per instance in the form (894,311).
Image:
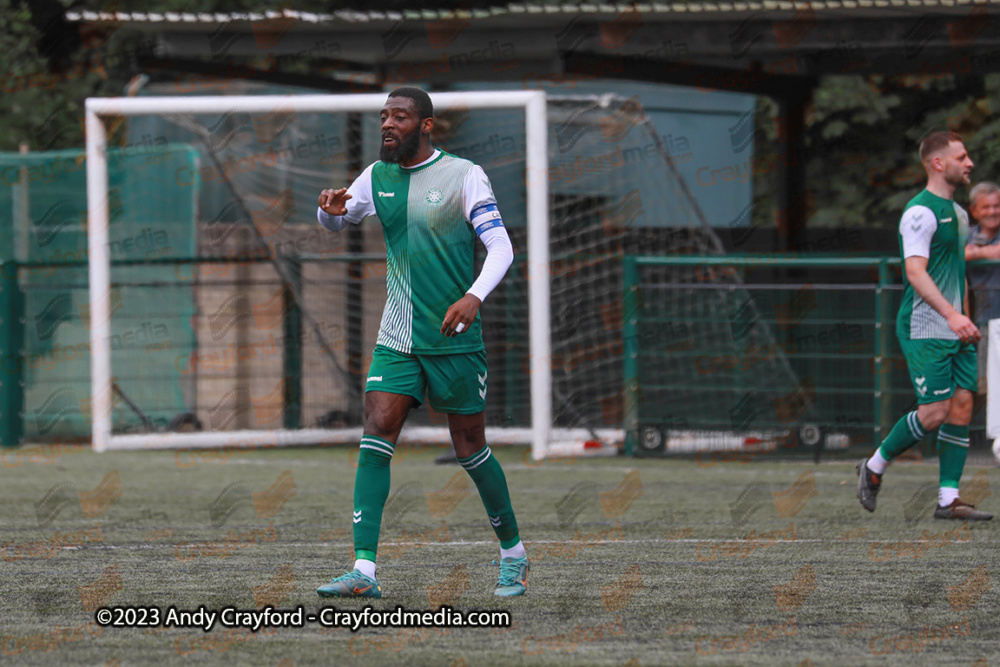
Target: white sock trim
(478,461)
(877,463)
(916,430)
(946,495)
(955,440)
(365,567)
(516,551)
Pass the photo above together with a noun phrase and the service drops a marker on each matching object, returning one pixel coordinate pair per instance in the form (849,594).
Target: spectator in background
(984,281)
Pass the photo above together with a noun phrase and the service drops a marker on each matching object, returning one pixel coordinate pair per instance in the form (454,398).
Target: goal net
(282,312)
(257,325)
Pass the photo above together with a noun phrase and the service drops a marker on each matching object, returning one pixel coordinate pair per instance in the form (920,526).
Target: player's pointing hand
(334,202)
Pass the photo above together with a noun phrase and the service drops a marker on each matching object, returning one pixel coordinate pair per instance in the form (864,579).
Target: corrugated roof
(676,9)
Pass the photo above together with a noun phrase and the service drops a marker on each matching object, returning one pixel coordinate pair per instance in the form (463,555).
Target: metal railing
(672,293)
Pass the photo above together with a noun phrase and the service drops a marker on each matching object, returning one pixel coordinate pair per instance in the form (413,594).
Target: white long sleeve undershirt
(499,256)
(499,251)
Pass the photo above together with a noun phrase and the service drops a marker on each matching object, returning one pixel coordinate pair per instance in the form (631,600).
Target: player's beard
(404,150)
(956,179)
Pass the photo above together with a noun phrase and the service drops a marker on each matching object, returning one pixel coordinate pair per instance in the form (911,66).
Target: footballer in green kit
(433,206)
(937,338)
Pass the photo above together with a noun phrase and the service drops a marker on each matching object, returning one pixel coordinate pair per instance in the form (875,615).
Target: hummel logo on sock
(357,517)
(495,520)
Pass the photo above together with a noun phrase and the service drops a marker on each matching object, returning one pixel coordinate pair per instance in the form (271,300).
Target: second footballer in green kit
(937,339)
(432,206)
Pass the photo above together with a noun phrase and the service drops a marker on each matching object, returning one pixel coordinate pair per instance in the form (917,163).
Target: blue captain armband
(488,225)
(486,217)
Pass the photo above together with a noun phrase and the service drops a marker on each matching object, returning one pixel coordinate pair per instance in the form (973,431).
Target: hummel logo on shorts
(374,378)
(386,194)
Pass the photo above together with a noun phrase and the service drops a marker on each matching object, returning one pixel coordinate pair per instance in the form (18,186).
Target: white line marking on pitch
(480,543)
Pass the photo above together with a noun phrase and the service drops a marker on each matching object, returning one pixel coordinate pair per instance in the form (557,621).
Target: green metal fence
(44,299)
(11,343)
(725,344)
(299,361)
(762,344)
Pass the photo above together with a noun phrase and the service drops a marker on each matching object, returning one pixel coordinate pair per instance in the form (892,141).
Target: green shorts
(938,366)
(454,383)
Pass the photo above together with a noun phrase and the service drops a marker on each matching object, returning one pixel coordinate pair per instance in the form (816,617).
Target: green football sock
(906,433)
(371,489)
(485,471)
(952,447)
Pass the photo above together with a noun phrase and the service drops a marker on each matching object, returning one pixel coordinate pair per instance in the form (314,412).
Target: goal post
(534,108)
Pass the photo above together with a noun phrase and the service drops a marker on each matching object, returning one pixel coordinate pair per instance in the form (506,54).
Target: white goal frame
(533,105)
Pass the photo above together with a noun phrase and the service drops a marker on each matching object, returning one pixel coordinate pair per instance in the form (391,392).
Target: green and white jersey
(937,229)
(427,213)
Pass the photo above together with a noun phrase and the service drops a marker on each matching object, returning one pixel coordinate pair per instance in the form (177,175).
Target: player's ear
(426,125)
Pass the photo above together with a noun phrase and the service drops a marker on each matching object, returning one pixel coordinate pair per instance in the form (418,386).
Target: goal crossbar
(533,105)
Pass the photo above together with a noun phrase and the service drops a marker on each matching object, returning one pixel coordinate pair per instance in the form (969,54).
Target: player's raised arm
(346,205)
(482,213)
(334,202)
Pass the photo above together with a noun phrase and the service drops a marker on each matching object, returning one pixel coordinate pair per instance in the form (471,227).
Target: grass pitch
(634,562)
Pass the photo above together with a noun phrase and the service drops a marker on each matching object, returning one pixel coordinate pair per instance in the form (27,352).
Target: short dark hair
(421,100)
(936,141)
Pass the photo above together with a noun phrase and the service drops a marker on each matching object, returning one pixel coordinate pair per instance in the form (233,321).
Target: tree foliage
(861,134)
(43,97)
(861,142)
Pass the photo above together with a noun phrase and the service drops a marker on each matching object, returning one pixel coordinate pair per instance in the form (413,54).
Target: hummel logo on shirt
(374,378)
(944,220)
(386,194)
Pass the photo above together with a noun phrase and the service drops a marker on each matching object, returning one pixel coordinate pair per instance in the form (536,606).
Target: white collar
(427,161)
